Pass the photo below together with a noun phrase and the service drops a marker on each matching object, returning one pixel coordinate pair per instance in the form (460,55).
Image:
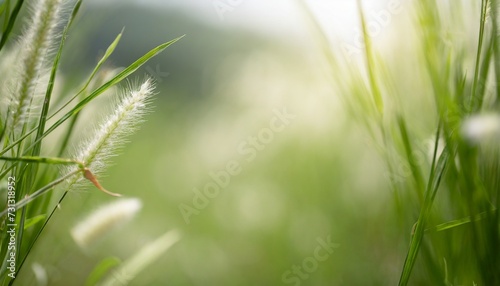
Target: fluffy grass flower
(103,220)
(109,136)
(34,49)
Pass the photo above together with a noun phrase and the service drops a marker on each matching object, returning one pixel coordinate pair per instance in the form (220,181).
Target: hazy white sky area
(338,18)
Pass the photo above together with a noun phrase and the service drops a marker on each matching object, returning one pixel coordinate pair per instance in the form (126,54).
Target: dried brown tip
(89,176)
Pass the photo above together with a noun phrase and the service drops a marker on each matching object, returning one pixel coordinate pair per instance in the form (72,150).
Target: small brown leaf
(89,176)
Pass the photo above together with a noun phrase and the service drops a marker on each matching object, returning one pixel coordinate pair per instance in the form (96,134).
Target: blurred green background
(318,178)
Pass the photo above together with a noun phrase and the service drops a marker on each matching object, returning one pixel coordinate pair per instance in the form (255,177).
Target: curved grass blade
(417,174)
(460,222)
(101,270)
(129,269)
(370,62)
(118,78)
(107,54)
(74,119)
(484,4)
(12,19)
(41,191)
(437,171)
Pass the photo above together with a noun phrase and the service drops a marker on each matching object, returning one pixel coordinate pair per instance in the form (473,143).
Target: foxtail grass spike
(110,135)
(34,45)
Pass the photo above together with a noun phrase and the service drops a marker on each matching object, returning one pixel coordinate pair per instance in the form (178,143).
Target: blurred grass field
(323,176)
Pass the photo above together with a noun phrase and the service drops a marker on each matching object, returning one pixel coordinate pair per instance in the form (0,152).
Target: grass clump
(447,202)
(33,159)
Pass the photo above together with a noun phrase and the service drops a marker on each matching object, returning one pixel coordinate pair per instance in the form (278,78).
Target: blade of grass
(43,160)
(496,45)
(118,78)
(129,269)
(479,50)
(107,54)
(415,170)
(74,119)
(483,77)
(41,191)
(12,19)
(101,270)
(370,63)
(33,221)
(437,171)
(4,10)
(460,222)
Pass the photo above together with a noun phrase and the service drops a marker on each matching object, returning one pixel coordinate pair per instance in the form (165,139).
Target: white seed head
(34,46)
(481,128)
(103,220)
(110,135)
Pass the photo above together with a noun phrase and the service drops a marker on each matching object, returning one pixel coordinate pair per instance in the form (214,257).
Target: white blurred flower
(100,222)
(481,128)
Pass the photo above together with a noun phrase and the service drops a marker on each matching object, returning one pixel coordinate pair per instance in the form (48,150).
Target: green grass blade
(30,247)
(12,19)
(483,77)
(74,119)
(25,201)
(4,10)
(107,54)
(460,222)
(496,44)
(33,221)
(43,160)
(101,270)
(149,253)
(415,170)
(432,187)
(370,62)
(479,50)
(118,78)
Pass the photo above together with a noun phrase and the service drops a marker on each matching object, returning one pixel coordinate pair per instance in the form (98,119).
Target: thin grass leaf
(496,44)
(118,78)
(74,119)
(147,255)
(415,170)
(417,236)
(107,54)
(4,10)
(370,63)
(33,221)
(460,222)
(479,50)
(40,192)
(12,19)
(43,160)
(19,235)
(101,269)
(483,78)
